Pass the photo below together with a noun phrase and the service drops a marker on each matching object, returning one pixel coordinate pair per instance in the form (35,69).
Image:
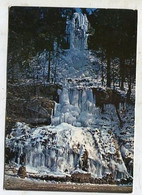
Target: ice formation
(77,29)
(78,127)
(60,149)
(76,107)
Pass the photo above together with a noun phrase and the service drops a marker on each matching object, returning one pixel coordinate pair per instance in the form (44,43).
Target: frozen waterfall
(79,136)
(77,29)
(76,107)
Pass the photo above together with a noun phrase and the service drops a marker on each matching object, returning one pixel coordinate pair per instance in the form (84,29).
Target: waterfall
(79,136)
(77,29)
(63,146)
(76,107)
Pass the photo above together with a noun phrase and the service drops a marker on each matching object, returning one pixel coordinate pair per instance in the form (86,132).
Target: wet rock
(38,111)
(68,178)
(81,177)
(22,172)
(9,155)
(85,160)
(32,104)
(124,181)
(108,96)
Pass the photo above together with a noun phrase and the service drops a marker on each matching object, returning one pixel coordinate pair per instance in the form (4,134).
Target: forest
(112,37)
(70,110)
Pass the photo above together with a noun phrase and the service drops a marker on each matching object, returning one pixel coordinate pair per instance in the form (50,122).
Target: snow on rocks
(61,149)
(84,135)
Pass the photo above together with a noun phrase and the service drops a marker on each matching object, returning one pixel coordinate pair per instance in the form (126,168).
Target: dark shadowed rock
(22,172)
(85,160)
(32,104)
(38,111)
(81,177)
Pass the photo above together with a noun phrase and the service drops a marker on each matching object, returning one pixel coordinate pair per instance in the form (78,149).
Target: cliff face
(30,103)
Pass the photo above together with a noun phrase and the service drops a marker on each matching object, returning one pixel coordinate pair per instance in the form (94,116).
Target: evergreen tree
(114,36)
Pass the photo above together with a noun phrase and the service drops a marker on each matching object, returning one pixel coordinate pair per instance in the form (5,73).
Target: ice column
(77,30)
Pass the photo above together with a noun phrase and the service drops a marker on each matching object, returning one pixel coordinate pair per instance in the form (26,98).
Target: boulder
(81,177)
(22,172)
